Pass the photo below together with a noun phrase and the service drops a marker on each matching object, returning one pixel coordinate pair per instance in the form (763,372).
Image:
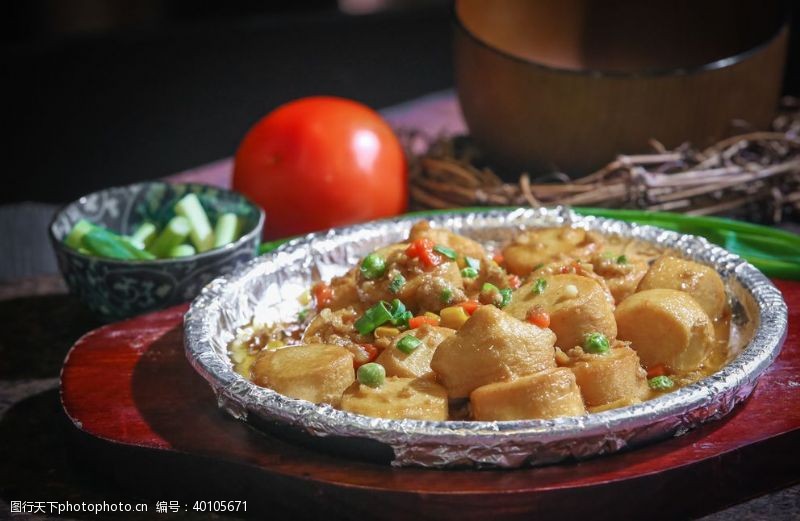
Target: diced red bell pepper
(513,281)
(538,317)
(656,370)
(322,295)
(415,322)
(371,354)
(422,249)
(470,306)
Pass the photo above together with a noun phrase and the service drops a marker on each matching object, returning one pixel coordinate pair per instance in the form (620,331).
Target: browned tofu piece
(666,326)
(701,282)
(398,399)
(492,346)
(338,328)
(424,292)
(577,305)
(371,291)
(615,376)
(620,278)
(544,395)
(442,237)
(540,246)
(418,362)
(344,292)
(318,373)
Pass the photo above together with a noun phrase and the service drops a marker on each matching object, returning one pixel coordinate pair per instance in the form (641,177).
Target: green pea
(469,273)
(488,287)
(446,295)
(596,343)
(373,266)
(371,374)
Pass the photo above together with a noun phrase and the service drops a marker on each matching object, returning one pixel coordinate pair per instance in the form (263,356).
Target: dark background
(102,92)
(110,95)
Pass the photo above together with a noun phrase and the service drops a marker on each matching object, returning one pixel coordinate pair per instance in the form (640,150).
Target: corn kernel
(304,298)
(386,332)
(453,317)
(275,344)
(433,316)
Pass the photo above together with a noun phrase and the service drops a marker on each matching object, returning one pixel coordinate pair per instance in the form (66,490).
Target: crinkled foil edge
(267,287)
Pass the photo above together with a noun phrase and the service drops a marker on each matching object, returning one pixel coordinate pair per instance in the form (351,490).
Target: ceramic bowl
(116,289)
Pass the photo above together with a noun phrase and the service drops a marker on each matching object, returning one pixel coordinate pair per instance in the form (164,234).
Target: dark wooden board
(133,396)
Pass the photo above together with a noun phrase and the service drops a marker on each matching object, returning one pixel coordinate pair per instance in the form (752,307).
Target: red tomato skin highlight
(321,162)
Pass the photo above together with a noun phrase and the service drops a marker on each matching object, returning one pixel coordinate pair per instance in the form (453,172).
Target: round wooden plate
(140,408)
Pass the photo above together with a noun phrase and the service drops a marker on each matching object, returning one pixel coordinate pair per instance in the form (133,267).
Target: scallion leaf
(375,316)
(505,293)
(473,263)
(539,286)
(408,344)
(450,253)
(397,284)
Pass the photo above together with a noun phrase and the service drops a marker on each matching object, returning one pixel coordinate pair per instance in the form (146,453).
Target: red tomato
(321,162)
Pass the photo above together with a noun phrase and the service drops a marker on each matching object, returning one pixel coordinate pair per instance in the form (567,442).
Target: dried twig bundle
(755,174)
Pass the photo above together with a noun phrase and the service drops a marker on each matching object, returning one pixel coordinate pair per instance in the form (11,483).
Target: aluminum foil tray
(267,288)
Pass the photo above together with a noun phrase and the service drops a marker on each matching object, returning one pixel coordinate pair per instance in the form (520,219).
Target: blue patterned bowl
(117,289)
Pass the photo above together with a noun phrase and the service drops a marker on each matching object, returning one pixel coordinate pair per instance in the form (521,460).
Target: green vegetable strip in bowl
(147,243)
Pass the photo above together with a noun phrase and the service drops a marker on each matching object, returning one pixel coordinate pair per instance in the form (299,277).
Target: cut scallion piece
(75,236)
(408,344)
(539,286)
(182,250)
(135,249)
(173,234)
(397,284)
(450,253)
(200,229)
(104,243)
(145,234)
(473,263)
(226,229)
(375,316)
(505,293)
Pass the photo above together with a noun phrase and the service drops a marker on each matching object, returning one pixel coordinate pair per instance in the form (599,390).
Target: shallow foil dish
(268,287)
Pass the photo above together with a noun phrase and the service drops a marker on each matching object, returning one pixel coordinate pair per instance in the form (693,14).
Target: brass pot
(569,84)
